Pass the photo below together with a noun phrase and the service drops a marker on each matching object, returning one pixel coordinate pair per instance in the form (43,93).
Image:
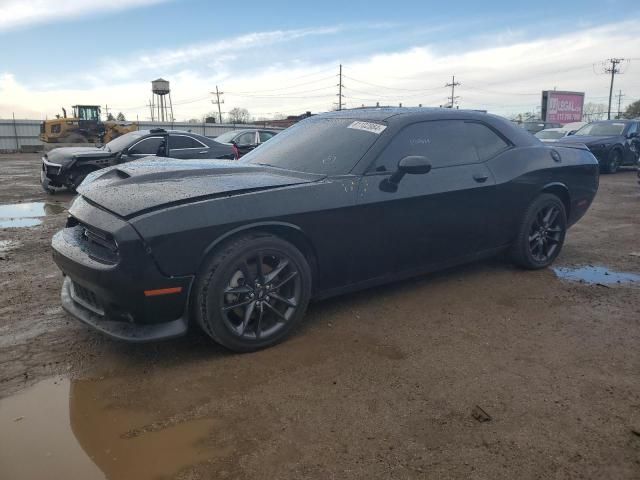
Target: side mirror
(572,132)
(412,165)
(633,135)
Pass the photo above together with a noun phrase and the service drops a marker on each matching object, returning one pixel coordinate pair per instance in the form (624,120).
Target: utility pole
(218,102)
(340,96)
(620,95)
(453,86)
(612,69)
(106,109)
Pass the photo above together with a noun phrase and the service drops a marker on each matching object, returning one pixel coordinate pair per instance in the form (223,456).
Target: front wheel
(614,161)
(541,234)
(252,292)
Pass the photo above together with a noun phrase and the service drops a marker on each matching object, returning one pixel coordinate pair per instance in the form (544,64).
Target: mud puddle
(70,429)
(26,214)
(594,275)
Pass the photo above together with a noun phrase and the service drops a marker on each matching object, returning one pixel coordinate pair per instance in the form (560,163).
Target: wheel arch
(287,231)
(561,191)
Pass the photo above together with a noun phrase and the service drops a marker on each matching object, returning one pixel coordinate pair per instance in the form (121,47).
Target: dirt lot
(380,384)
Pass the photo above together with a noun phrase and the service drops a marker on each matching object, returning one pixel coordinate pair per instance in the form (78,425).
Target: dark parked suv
(613,142)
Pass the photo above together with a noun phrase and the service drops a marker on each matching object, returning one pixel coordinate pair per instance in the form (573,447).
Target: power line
(340,87)
(218,102)
(392,88)
(612,68)
(453,86)
(620,95)
(290,86)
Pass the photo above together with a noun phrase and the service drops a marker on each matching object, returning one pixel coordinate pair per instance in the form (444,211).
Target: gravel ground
(379,384)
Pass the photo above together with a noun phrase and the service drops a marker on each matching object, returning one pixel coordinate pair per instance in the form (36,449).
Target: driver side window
(443,142)
(148,146)
(248,138)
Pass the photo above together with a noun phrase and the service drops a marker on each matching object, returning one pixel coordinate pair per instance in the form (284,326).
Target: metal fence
(24,135)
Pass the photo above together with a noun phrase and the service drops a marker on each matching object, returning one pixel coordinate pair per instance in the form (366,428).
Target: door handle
(480,177)
(203,151)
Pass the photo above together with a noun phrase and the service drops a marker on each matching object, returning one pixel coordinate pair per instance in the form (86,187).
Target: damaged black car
(338,202)
(67,167)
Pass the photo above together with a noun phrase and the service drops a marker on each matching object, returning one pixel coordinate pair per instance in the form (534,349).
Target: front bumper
(52,175)
(110,289)
(130,332)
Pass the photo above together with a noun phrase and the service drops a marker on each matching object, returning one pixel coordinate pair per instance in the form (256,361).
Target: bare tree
(633,110)
(120,117)
(239,115)
(110,117)
(594,111)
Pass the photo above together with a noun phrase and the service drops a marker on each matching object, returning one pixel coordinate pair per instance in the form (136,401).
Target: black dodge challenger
(339,202)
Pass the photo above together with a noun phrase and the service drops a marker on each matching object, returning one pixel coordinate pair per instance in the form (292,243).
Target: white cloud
(129,67)
(503,77)
(21,13)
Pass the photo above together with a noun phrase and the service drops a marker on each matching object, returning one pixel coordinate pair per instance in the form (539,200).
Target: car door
(431,219)
(147,147)
(186,146)
(632,144)
(247,141)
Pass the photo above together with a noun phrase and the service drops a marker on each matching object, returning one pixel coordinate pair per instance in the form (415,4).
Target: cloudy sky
(282,58)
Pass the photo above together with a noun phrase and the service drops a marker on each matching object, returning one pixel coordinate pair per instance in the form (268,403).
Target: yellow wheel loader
(84,126)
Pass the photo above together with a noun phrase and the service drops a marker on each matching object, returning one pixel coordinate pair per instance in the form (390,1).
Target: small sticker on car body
(368,127)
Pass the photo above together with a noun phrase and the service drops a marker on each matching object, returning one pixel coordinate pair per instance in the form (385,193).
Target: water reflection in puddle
(26,214)
(595,275)
(63,429)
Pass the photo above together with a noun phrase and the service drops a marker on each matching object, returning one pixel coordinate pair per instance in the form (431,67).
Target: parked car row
(68,167)
(613,142)
(336,203)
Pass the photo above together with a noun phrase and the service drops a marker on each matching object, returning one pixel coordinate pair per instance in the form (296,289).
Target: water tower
(161,110)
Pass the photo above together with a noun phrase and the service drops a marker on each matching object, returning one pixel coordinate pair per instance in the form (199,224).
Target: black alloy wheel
(546,233)
(614,161)
(541,234)
(261,295)
(253,292)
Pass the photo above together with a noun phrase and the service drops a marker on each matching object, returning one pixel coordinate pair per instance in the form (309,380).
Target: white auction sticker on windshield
(368,127)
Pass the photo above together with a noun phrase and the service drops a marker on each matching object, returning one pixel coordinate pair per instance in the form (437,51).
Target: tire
(245,309)
(614,160)
(75,138)
(541,234)
(79,177)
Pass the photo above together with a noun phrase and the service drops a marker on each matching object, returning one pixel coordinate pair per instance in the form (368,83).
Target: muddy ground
(379,384)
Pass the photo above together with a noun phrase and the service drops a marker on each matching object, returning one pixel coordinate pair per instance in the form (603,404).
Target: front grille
(87,298)
(50,170)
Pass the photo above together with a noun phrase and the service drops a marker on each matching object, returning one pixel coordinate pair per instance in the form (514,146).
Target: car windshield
(227,136)
(550,134)
(603,129)
(329,146)
(123,141)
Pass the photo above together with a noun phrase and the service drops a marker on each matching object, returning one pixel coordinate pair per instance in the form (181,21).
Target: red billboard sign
(562,107)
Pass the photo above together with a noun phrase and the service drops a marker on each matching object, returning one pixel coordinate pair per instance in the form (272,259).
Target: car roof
(162,130)
(552,130)
(622,120)
(404,113)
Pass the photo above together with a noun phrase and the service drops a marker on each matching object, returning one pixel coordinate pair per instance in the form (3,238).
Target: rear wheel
(614,160)
(541,234)
(252,292)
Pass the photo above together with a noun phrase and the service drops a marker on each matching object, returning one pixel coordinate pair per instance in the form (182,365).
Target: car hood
(65,155)
(588,140)
(144,185)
